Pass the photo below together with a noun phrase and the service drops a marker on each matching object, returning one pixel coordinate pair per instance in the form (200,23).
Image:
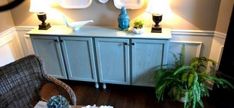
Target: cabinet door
(79,58)
(146,55)
(49,50)
(113,60)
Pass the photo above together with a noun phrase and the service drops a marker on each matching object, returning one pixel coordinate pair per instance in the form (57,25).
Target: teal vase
(123,19)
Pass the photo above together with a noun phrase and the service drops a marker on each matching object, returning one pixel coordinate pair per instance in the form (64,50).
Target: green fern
(190,81)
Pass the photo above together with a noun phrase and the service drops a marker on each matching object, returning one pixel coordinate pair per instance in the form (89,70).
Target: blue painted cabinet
(113,60)
(49,50)
(79,58)
(116,57)
(117,60)
(146,55)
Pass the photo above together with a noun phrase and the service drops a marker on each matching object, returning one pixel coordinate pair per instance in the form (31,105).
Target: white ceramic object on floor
(103,1)
(74,4)
(129,4)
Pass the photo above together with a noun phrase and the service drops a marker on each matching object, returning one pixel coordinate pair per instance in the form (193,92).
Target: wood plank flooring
(121,96)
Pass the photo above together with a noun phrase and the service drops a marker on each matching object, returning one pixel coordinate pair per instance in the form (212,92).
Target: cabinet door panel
(146,55)
(79,58)
(113,60)
(49,50)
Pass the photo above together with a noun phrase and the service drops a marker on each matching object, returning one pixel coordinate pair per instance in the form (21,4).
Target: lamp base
(44,26)
(156,30)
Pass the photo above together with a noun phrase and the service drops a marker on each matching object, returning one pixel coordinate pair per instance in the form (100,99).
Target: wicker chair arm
(64,86)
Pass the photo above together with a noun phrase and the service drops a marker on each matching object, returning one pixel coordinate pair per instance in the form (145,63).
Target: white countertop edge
(101,31)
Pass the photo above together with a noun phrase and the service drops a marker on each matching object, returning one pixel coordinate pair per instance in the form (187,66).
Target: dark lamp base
(45,26)
(156,30)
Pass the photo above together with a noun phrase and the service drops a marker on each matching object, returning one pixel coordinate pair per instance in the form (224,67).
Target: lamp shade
(39,6)
(158,7)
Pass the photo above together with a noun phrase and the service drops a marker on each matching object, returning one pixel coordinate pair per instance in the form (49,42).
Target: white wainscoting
(192,49)
(197,43)
(10,47)
(25,39)
(217,47)
(195,36)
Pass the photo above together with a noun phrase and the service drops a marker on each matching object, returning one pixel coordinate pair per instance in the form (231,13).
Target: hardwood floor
(121,96)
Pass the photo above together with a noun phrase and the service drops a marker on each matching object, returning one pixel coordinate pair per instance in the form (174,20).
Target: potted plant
(138,26)
(187,83)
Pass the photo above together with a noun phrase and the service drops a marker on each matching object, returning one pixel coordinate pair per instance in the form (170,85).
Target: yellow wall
(5,18)
(187,14)
(224,15)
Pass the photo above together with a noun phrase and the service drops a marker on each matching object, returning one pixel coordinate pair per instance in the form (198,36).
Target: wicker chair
(21,81)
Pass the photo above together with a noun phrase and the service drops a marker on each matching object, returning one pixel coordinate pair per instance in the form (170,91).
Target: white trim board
(6,36)
(193,32)
(220,35)
(24,28)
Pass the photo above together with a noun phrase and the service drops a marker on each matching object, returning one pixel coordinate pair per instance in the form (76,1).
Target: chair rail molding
(193,32)
(24,28)
(220,35)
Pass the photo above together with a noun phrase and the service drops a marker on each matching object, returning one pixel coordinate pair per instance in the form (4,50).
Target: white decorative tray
(129,4)
(103,1)
(75,4)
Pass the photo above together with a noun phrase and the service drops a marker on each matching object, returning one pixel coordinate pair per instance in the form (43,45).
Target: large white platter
(75,4)
(103,1)
(129,4)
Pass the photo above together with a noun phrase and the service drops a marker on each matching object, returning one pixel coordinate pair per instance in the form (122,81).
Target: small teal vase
(123,19)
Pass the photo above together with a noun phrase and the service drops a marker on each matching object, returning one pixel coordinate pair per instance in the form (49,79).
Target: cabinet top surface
(100,31)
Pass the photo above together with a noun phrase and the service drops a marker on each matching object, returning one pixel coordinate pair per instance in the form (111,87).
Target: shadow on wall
(202,14)
(10,5)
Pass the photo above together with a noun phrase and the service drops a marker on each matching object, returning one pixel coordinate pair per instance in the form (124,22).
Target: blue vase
(123,19)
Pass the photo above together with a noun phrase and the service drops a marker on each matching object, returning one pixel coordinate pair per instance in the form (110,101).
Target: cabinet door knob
(132,43)
(56,40)
(125,43)
(60,40)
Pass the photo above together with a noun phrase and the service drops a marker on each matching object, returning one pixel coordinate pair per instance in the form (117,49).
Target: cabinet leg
(104,86)
(96,85)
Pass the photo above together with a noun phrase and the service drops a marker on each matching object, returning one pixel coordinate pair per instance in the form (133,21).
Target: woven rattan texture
(20,83)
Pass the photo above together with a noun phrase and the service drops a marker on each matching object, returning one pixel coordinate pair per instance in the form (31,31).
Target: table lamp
(157,18)
(157,8)
(40,7)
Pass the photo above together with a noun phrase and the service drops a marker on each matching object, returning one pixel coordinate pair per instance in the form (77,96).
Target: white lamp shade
(39,6)
(158,7)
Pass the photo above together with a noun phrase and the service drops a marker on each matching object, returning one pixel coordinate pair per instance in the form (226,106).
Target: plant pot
(182,100)
(178,94)
(138,30)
